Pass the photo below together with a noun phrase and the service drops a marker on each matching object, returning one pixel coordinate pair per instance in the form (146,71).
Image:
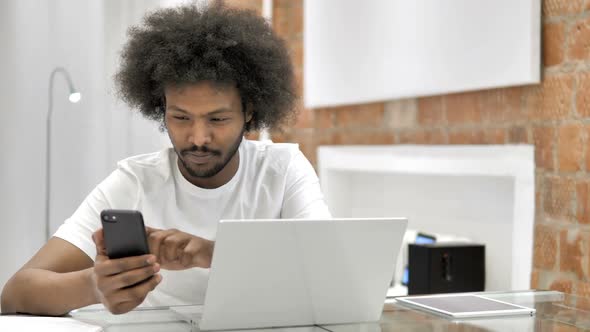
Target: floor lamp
(74,97)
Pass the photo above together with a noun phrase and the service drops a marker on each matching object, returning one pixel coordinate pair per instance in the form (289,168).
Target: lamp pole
(74,97)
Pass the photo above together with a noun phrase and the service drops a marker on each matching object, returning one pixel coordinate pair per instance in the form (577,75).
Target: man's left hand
(178,250)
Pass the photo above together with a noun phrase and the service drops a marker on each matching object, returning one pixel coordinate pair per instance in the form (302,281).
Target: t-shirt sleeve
(118,190)
(303,197)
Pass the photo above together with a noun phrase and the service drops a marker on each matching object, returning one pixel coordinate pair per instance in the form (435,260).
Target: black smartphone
(124,233)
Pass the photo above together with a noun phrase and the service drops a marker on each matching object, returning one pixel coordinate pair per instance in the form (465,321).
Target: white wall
(88,137)
(374,50)
(23,86)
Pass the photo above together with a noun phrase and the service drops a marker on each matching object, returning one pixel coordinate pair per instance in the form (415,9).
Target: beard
(217,167)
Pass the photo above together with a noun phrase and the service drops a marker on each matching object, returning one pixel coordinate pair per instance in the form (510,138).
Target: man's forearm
(42,292)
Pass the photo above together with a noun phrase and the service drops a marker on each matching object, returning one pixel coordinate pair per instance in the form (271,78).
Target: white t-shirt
(272,181)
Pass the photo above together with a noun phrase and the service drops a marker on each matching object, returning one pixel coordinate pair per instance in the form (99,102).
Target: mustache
(202,149)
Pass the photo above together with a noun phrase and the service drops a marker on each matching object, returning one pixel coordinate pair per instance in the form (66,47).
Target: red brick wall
(255,5)
(554,116)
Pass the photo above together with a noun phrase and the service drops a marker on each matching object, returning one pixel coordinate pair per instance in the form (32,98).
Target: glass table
(556,311)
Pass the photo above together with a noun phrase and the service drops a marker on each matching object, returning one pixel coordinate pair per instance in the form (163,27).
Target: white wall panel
(375,50)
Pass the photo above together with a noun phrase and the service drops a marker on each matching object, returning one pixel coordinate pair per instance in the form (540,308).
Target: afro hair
(190,44)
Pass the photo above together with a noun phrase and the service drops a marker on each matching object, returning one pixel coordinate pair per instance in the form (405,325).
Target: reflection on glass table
(555,312)
(169,319)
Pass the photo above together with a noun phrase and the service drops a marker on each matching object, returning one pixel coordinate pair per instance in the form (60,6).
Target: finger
(150,230)
(186,259)
(174,245)
(155,239)
(206,255)
(155,242)
(98,238)
(137,292)
(115,266)
(168,250)
(130,278)
(190,252)
(199,252)
(123,307)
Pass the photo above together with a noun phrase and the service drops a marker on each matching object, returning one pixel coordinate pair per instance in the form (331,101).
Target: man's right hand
(122,284)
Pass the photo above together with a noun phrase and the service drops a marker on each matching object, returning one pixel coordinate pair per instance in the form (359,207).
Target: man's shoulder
(148,159)
(270,150)
(268,156)
(149,164)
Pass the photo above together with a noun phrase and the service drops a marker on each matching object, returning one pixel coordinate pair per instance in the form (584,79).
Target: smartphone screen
(124,233)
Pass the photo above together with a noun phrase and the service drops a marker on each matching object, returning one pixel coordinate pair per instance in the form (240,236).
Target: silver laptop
(268,273)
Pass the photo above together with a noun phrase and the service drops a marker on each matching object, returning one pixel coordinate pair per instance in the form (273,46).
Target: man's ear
(249,114)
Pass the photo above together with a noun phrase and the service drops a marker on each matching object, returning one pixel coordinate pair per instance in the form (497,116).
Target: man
(208,75)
